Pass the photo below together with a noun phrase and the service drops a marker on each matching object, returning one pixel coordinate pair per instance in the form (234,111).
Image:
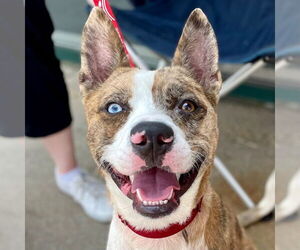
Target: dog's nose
(151,139)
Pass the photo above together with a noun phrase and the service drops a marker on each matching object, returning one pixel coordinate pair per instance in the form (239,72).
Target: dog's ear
(197,52)
(101,50)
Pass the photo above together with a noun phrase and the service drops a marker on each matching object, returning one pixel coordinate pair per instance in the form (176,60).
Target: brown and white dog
(154,136)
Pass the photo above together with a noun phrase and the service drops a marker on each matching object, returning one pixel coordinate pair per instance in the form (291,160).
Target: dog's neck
(168,231)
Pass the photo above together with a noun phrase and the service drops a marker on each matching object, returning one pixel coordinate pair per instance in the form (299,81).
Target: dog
(153,135)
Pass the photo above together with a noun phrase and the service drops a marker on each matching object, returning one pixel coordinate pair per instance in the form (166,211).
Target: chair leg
(267,204)
(161,63)
(233,183)
(264,207)
(281,64)
(238,77)
(136,58)
(291,203)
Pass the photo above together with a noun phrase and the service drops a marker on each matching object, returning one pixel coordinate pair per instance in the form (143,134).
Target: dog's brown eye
(188,106)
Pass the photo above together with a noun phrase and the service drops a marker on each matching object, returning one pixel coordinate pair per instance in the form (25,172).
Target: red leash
(104,4)
(166,232)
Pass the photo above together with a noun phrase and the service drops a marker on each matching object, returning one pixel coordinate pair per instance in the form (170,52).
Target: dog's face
(152,133)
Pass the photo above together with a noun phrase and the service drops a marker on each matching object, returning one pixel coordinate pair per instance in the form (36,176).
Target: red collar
(166,232)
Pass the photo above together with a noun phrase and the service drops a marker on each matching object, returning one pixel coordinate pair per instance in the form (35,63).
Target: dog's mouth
(155,192)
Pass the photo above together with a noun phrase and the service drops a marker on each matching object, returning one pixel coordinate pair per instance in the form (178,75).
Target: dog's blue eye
(114,108)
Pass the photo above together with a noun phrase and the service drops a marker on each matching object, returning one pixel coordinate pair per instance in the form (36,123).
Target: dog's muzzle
(154,188)
(151,141)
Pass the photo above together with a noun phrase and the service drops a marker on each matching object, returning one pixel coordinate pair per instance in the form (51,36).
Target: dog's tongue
(154,184)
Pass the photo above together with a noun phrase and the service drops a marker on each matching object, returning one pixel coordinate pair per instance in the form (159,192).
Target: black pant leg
(47,105)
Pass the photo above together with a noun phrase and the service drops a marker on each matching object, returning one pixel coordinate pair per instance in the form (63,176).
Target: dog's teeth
(139,195)
(153,203)
(131,177)
(178,176)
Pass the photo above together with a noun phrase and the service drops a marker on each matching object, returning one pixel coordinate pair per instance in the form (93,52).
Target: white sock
(63,180)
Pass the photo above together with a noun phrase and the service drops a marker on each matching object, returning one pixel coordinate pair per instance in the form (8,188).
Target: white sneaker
(89,193)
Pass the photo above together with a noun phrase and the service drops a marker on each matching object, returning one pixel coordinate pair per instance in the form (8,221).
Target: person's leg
(61,149)
(73,180)
(48,115)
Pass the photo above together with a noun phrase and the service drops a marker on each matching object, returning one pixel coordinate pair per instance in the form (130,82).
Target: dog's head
(153,133)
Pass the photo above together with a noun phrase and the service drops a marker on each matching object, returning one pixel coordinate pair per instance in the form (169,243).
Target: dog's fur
(106,77)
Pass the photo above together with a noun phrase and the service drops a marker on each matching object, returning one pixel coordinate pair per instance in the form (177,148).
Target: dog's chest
(122,238)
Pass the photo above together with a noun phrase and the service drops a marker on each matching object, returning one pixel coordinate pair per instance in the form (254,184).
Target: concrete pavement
(12,194)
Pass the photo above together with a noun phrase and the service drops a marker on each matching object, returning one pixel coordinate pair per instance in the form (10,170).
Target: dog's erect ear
(197,52)
(101,50)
